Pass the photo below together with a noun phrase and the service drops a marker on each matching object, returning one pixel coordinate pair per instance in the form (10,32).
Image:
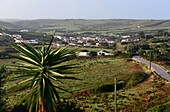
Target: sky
(85,9)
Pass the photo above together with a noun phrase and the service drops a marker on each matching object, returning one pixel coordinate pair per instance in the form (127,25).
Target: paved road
(158,69)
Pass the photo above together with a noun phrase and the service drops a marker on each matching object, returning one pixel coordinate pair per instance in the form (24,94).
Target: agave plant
(41,69)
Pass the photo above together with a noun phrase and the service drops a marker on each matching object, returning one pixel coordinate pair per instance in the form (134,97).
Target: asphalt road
(158,69)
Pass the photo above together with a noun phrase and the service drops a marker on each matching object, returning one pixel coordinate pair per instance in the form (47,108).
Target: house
(18,40)
(58,44)
(17,36)
(103,52)
(125,36)
(87,45)
(83,54)
(24,30)
(111,42)
(72,44)
(80,42)
(136,40)
(30,41)
(3,34)
(125,40)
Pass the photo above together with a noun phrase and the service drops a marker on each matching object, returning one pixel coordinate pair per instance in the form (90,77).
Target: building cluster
(99,53)
(90,41)
(127,38)
(18,38)
(82,41)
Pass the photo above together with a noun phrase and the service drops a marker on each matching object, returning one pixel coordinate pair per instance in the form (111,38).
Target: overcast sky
(84,9)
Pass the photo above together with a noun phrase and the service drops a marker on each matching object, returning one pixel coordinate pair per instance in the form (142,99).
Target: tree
(41,68)
(93,53)
(160,33)
(141,34)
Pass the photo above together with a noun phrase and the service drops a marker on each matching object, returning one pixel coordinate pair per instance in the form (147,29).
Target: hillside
(8,25)
(104,26)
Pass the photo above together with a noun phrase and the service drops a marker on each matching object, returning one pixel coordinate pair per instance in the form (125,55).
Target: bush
(105,88)
(129,59)
(18,108)
(68,106)
(160,108)
(117,54)
(64,106)
(84,50)
(93,53)
(136,78)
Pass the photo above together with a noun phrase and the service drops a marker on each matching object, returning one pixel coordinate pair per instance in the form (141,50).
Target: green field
(101,70)
(93,71)
(105,26)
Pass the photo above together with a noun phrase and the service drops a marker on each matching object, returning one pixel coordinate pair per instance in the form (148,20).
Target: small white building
(125,36)
(30,41)
(103,52)
(111,42)
(125,40)
(59,44)
(79,41)
(83,54)
(24,30)
(17,36)
(72,44)
(18,40)
(87,45)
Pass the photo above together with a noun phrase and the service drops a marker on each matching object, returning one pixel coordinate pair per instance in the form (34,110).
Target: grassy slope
(151,92)
(108,25)
(93,72)
(8,25)
(101,70)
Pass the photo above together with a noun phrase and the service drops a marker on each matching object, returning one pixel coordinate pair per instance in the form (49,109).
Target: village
(86,42)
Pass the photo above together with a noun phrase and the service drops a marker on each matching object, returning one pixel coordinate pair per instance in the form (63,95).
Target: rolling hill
(7,25)
(106,25)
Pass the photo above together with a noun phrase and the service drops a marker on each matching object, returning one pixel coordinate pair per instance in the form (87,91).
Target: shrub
(136,78)
(64,106)
(160,108)
(105,88)
(129,59)
(84,50)
(93,53)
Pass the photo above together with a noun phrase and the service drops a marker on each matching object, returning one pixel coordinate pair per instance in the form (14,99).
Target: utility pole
(150,60)
(115,94)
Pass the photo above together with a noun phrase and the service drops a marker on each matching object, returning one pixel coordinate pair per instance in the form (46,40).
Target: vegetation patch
(136,78)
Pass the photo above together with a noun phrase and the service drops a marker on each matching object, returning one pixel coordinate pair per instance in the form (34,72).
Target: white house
(87,45)
(111,42)
(18,40)
(125,40)
(59,44)
(125,36)
(83,54)
(103,52)
(80,42)
(24,30)
(17,36)
(30,41)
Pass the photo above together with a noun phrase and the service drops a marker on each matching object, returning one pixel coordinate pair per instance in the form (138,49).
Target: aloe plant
(42,69)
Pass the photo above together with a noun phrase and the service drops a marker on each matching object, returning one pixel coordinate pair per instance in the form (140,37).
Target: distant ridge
(10,20)
(8,25)
(80,25)
(86,25)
